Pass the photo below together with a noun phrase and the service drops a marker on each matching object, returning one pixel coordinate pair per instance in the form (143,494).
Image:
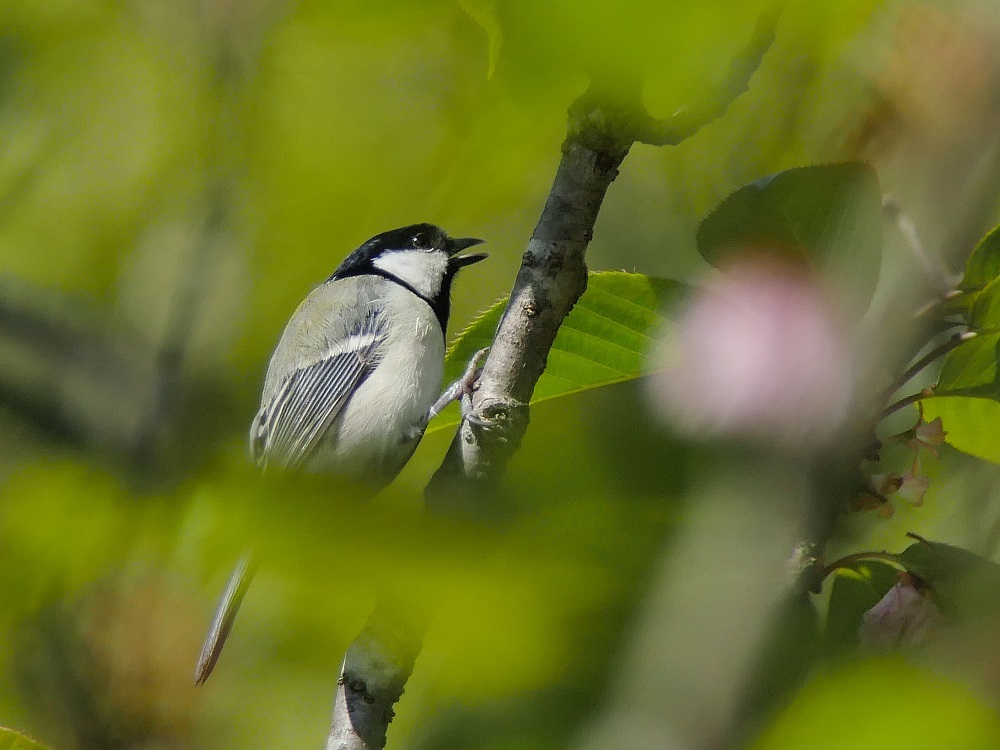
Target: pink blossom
(904,616)
(759,353)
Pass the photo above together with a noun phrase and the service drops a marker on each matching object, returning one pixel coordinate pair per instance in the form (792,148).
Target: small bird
(356,376)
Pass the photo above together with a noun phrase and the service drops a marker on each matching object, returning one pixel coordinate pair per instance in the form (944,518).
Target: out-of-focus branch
(64,369)
(683,124)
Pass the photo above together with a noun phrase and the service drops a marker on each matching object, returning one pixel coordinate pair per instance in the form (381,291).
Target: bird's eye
(421,241)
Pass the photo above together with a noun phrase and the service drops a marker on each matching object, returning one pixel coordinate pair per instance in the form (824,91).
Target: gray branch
(603,124)
(376,667)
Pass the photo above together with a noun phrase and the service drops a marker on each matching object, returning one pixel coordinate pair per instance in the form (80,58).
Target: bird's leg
(462,390)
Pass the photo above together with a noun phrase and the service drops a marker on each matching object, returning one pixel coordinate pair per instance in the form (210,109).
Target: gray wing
(289,427)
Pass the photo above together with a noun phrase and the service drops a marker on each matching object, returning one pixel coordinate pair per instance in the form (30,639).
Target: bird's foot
(462,389)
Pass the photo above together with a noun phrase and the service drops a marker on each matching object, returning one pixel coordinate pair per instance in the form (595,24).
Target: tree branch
(904,402)
(376,667)
(603,124)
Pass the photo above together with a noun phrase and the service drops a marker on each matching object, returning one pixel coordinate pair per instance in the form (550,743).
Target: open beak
(456,246)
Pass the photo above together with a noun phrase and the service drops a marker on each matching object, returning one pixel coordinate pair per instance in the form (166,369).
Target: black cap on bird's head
(420,257)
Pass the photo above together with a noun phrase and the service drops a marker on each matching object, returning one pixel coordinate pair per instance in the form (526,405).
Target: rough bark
(374,674)
(552,277)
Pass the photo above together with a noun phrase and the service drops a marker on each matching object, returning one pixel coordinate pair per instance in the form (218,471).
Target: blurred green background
(174,178)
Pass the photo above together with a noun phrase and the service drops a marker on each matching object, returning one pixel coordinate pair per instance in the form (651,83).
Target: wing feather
(289,427)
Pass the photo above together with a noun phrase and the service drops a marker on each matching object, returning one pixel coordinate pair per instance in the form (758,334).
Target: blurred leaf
(621,37)
(484,13)
(971,369)
(11,740)
(105,123)
(829,214)
(983,265)
(964,584)
(883,703)
(785,657)
(855,591)
(605,339)
(90,522)
(970,423)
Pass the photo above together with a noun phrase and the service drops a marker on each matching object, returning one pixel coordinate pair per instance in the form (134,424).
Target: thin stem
(848,560)
(904,402)
(952,343)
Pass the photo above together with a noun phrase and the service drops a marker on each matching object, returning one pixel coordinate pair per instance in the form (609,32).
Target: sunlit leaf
(11,740)
(971,369)
(827,215)
(983,265)
(970,423)
(605,339)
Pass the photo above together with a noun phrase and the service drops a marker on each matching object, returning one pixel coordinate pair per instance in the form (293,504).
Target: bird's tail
(225,615)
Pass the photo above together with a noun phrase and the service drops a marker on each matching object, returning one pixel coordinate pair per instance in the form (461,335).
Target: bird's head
(422,257)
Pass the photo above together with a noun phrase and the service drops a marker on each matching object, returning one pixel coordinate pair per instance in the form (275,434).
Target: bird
(356,376)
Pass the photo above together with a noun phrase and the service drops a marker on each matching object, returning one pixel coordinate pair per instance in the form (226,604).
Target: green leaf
(855,590)
(964,584)
(829,215)
(605,339)
(983,266)
(971,369)
(984,314)
(979,298)
(970,423)
(11,740)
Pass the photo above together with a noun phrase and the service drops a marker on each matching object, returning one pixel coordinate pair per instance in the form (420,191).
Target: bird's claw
(470,383)
(462,389)
(469,414)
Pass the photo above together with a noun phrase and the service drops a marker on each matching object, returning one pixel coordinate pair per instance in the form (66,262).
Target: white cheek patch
(422,270)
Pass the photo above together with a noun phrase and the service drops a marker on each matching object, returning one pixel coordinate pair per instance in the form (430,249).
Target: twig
(848,560)
(685,123)
(952,343)
(904,402)
(376,667)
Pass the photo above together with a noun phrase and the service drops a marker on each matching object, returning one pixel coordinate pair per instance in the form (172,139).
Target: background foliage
(175,176)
